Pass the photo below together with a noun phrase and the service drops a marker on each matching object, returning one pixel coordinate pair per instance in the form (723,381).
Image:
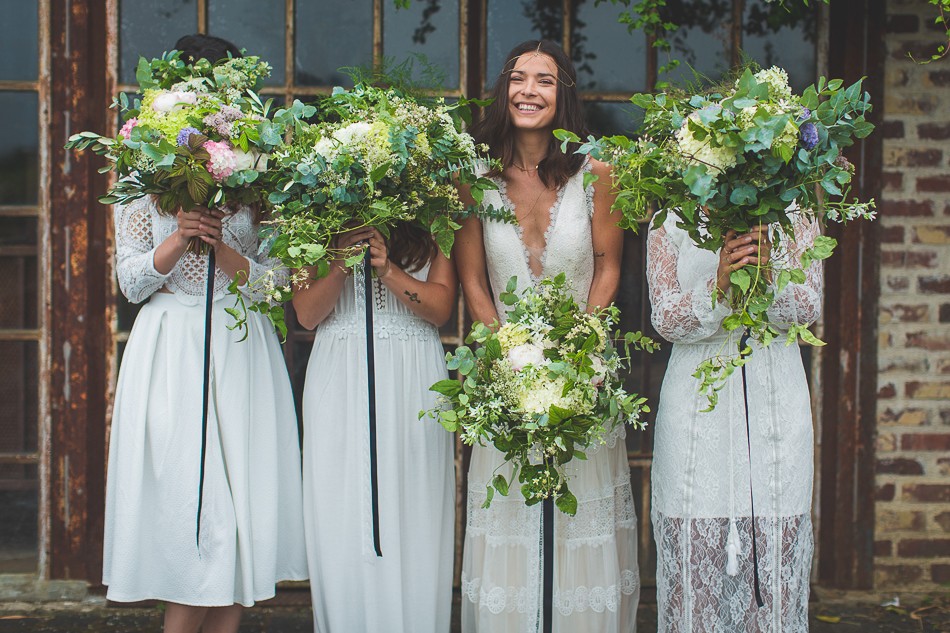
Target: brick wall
(912,536)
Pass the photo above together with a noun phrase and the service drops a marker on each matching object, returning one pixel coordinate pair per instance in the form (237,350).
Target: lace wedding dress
(409,588)
(596,579)
(701,472)
(251,519)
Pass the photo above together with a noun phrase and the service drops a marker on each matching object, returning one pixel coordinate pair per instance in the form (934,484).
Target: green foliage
(540,414)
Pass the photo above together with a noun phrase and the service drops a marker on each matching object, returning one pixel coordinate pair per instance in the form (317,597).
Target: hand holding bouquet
(749,155)
(199,137)
(541,388)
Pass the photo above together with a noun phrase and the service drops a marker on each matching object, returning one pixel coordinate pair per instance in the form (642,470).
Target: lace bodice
(682,277)
(140,228)
(565,238)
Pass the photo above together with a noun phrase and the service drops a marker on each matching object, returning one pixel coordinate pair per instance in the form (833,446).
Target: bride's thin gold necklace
(525,170)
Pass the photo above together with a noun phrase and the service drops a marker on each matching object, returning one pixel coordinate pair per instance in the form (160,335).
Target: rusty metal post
(852,288)
(78,341)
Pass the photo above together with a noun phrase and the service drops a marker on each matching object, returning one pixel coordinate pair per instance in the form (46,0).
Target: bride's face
(532,92)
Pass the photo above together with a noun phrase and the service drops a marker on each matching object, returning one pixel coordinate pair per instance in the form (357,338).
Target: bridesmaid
(251,520)
(409,588)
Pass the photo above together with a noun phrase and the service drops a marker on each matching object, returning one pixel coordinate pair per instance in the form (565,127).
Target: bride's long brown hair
(495,128)
(410,246)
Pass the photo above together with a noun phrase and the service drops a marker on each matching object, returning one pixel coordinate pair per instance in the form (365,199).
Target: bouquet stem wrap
(371,396)
(206,392)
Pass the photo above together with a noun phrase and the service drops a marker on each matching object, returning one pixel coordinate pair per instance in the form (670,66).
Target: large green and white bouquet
(199,136)
(374,157)
(544,386)
(745,154)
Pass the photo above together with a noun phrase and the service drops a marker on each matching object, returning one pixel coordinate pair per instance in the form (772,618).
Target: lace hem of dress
(579,599)
(552,219)
(385,325)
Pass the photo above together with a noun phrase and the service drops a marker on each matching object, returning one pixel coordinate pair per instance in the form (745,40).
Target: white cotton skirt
(251,533)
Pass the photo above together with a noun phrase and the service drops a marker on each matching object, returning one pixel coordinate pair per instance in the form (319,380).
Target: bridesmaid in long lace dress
(563,227)
(702,515)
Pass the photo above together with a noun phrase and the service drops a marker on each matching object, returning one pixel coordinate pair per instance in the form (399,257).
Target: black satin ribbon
(547,563)
(371,392)
(748,434)
(209,301)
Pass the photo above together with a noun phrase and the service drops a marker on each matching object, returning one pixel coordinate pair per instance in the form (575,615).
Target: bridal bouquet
(375,157)
(541,388)
(200,136)
(749,153)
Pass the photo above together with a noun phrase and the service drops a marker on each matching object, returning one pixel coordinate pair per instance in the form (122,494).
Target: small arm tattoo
(413,296)
(596,254)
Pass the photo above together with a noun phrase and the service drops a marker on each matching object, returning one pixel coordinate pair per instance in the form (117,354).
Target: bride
(563,227)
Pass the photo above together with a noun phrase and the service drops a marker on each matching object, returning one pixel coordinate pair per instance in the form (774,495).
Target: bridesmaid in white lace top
(563,227)
(251,519)
(702,510)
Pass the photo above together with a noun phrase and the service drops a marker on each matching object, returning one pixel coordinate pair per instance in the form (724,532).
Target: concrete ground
(832,613)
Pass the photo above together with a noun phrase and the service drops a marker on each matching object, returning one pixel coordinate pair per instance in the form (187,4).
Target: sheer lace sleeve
(679,314)
(798,303)
(135,250)
(265,274)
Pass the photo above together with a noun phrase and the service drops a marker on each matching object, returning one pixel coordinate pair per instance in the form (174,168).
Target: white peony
(250,160)
(600,371)
(523,355)
(168,100)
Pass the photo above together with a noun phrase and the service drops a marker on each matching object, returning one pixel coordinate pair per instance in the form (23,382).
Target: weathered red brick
(892,129)
(923,548)
(944,313)
(899,466)
(895,77)
(883,548)
(892,234)
(945,420)
(906,417)
(897,283)
(924,493)
(889,520)
(936,284)
(902,23)
(930,234)
(909,259)
(905,313)
(934,131)
(896,575)
(939,78)
(940,573)
(892,180)
(907,208)
(886,391)
(943,520)
(925,442)
(885,492)
(938,184)
(918,50)
(930,339)
(907,157)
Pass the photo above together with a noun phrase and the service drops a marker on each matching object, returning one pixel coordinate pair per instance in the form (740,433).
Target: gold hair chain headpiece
(537,53)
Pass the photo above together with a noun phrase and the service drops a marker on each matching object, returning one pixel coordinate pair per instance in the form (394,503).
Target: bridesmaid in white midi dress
(563,227)
(409,588)
(702,515)
(251,520)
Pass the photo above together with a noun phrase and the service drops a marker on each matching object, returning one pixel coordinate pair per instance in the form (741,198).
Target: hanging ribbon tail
(206,390)
(371,393)
(733,547)
(547,563)
(748,434)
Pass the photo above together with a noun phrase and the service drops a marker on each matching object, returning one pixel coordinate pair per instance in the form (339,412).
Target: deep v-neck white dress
(596,581)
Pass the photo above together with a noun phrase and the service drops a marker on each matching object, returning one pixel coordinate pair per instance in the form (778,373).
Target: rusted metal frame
(377,33)
(290,47)
(738,8)
(21,335)
(202,8)
(20,458)
(19,86)
(849,365)
(78,295)
(23,211)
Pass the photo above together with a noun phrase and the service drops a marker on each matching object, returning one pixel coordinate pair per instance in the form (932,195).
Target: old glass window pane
(701,43)
(426,33)
(774,35)
(19,157)
(258,27)
(607,57)
(511,22)
(18,274)
(147,28)
(19,43)
(612,117)
(330,35)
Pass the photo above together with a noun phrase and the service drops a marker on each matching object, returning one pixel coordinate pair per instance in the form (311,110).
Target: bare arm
(469,256)
(607,240)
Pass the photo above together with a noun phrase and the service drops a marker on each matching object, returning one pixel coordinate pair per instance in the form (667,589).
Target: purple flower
(805,115)
(808,134)
(184,133)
